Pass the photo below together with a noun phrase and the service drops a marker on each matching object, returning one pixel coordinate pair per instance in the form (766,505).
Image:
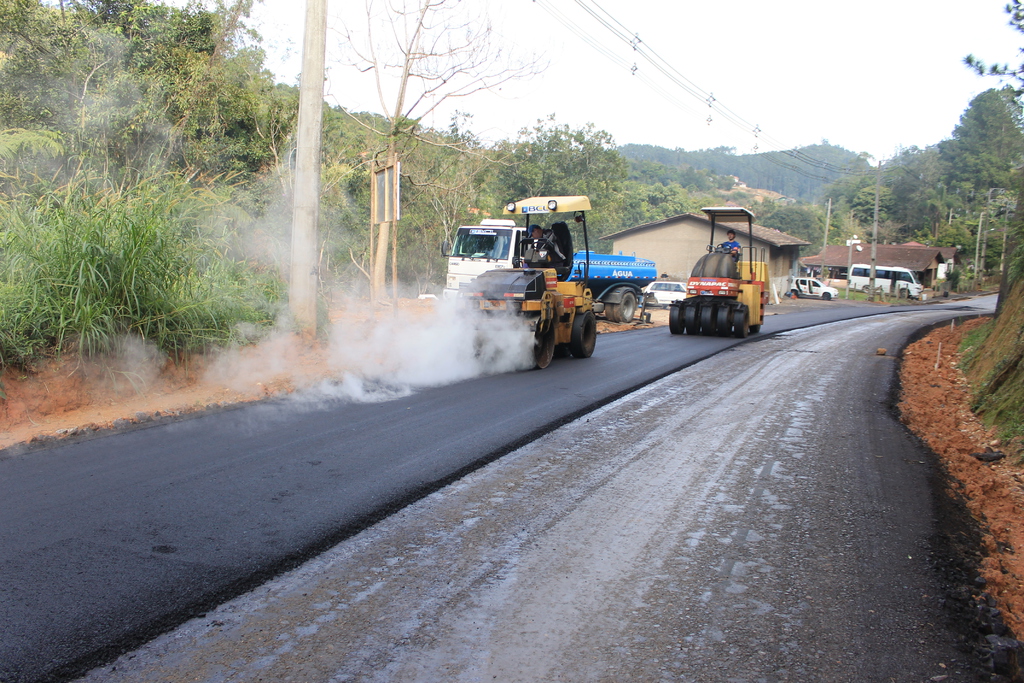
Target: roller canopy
(728,214)
(543,205)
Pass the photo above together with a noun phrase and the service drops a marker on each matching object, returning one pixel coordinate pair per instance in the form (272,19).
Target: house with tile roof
(928,263)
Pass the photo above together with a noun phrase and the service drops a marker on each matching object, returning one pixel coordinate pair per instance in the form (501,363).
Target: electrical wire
(819,168)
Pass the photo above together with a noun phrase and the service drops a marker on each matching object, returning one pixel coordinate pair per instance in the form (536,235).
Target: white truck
(479,248)
(617,282)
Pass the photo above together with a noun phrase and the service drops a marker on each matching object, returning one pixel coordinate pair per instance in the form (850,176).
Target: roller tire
(740,323)
(584,335)
(544,349)
(723,324)
(691,320)
(675,320)
(754,329)
(708,315)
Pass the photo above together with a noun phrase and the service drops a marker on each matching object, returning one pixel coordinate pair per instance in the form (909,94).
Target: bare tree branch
(435,54)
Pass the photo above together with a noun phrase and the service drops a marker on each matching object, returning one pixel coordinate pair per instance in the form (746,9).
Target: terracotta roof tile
(914,258)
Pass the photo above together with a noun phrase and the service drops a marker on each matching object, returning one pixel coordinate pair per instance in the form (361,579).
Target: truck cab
(479,248)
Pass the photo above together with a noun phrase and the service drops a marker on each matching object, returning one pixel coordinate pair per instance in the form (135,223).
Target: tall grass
(83,267)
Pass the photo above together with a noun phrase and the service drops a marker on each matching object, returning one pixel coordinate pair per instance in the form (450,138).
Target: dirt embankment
(935,405)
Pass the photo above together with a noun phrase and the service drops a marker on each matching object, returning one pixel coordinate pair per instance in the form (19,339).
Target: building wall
(675,248)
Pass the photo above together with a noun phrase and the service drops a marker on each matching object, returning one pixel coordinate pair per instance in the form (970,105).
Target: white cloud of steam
(245,369)
(372,357)
(134,364)
(394,355)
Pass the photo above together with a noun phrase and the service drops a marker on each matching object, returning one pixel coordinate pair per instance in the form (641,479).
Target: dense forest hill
(801,173)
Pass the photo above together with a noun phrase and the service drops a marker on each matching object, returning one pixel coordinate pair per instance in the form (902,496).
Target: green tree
(863,204)
(987,145)
(645,203)
(953,234)
(553,159)
(805,222)
(921,189)
(129,85)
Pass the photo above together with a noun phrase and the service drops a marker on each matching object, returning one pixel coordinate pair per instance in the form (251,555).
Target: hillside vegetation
(784,172)
(994,364)
(994,354)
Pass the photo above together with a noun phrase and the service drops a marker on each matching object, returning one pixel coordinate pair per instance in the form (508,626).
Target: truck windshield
(486,243)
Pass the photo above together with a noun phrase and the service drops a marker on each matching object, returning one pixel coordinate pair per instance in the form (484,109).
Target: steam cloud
(371,359)
(394,356)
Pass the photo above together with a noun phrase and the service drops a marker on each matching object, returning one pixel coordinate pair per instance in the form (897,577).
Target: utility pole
(984,249)
(979,263)
(977,251)
(874,233)
(1002,256)
(302,288)
(828,219)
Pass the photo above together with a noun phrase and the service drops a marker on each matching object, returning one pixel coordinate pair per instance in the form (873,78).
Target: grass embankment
(85,267)
(994,366)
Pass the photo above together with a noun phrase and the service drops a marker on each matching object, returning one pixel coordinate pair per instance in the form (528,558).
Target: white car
(810,287)
(663,292)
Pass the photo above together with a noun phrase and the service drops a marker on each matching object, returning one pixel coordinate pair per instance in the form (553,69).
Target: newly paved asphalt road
(760,516)
(107,542)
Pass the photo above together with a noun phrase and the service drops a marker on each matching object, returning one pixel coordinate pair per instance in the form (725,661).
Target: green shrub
(953,279)
(971,343)
(84,266)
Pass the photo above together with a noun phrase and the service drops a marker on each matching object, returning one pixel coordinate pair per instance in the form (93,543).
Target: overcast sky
(871,76)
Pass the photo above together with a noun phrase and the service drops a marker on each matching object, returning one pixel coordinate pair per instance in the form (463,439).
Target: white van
(813,288)
(891,279)
(663,293)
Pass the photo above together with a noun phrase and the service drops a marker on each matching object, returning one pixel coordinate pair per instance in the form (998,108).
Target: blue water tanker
(616,280)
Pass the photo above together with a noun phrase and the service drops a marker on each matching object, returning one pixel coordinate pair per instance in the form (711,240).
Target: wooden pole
(302,289)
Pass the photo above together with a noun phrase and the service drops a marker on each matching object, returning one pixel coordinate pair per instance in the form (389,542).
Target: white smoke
(133,366)
(373,355)
(398,353)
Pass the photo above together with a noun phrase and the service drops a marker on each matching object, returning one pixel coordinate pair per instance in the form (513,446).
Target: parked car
(812,288)
(663,292)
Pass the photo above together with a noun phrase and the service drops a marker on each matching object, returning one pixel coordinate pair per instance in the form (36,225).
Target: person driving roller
(542,249)
(731,246)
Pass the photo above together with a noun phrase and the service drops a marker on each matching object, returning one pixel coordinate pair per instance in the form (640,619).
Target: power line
(819,167)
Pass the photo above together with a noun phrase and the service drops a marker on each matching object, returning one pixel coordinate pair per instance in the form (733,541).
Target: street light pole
(849,262)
